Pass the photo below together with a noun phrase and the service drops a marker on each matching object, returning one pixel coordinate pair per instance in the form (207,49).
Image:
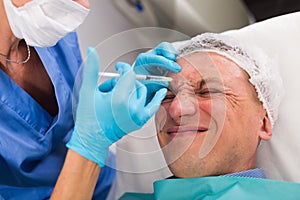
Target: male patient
(212,120)
(216,112)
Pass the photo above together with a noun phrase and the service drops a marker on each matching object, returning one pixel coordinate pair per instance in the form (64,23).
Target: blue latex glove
(158,62)
(124,107)
(106,114)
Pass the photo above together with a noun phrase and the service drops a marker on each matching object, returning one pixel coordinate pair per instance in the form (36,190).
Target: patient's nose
(183,106)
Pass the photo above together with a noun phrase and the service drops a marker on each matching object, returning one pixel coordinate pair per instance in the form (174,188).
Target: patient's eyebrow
(209,81)
(196,85)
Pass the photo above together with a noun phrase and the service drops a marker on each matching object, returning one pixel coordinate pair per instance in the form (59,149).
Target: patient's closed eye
(208,91)
(209,87)
(205,93)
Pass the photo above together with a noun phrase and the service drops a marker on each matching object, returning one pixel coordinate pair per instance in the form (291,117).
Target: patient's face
(211,121)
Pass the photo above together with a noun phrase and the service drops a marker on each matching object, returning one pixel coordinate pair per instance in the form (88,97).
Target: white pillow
(280,38)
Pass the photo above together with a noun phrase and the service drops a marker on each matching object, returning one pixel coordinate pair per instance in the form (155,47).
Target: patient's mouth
(186,130)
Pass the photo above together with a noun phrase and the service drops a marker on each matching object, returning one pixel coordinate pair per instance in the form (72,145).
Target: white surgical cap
(263,72)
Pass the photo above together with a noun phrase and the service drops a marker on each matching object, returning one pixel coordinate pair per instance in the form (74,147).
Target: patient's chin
(182,169)
(173,150)
(181,166)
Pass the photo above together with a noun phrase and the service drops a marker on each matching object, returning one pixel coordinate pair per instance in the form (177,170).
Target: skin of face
(19,3)
(211,121)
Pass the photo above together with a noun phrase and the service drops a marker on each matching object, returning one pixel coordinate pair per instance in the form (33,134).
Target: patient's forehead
(207,66)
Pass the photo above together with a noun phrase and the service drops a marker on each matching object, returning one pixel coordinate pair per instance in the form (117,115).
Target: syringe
(138,76)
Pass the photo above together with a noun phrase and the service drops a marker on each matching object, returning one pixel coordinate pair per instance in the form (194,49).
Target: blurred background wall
(191,17)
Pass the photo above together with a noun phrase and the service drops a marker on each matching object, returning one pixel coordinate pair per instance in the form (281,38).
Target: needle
(138,76)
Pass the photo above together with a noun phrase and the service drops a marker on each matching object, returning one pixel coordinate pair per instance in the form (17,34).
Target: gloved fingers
(160,61)
(108,85)
(126,83)
(154,104)
(137,104)
(155,85)
(151,87)
(165,49)
(141,92)
(122,67)
(123,99)
(90,72)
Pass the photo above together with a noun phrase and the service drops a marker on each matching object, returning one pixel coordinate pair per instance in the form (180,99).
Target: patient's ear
(266,128)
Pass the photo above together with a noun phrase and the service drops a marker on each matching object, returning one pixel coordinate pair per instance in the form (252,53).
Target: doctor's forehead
(19,3)
(85,3)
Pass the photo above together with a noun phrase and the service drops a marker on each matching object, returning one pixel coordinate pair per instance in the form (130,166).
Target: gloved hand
(157,62)
(106,114)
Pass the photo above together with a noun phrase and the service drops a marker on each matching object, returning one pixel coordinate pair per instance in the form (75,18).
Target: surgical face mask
(43,23)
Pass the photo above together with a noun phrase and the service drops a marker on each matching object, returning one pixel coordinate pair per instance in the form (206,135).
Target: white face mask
(43,23)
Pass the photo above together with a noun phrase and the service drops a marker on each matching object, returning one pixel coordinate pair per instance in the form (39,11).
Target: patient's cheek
(160,118)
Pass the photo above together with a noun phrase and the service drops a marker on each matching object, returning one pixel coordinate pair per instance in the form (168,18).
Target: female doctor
(39,59)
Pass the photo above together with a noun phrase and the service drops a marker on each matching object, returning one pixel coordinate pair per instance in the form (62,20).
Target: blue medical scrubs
(32,142)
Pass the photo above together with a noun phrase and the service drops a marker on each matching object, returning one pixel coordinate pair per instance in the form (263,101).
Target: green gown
(220,187)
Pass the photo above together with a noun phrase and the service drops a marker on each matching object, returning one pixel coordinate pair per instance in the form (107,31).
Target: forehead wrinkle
(199,71)
(210,81)
(196,84)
